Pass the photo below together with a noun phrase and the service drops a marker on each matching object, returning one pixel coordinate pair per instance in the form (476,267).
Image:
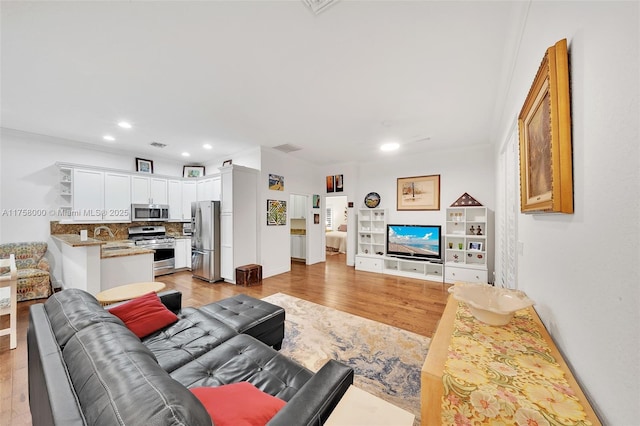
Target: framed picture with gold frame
(544,123)
(419,193)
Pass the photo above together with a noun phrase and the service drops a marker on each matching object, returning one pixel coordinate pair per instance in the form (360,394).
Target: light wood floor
(410,304)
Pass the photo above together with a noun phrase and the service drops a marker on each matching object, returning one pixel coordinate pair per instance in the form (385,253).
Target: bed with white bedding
(337,240)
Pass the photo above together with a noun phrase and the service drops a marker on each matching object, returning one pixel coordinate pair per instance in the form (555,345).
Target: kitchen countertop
(130,250)
(298,232)
(74,240)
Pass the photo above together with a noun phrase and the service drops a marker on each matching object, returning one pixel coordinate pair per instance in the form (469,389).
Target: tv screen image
(414,241)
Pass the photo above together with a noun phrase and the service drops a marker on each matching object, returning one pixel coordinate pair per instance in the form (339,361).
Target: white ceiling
(237,74)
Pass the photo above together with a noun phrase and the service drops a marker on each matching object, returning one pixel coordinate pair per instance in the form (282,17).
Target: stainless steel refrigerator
(205,240)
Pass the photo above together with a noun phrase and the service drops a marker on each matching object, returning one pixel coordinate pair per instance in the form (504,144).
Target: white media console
(410,268)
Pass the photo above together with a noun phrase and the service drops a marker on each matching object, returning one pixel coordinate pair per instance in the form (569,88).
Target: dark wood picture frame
(544,123)
(192,171)
(144,166)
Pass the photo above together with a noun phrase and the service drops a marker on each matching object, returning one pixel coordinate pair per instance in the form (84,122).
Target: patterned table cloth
(505,376)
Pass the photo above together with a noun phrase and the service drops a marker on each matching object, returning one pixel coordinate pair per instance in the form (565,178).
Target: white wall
(299,178)
(582,269)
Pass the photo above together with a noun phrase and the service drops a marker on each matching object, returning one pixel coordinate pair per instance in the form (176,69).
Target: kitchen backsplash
(119,230)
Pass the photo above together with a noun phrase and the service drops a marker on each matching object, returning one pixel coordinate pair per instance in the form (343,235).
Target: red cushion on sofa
(238,404)
(144,315)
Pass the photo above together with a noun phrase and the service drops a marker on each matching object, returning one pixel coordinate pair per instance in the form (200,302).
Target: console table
(435,369)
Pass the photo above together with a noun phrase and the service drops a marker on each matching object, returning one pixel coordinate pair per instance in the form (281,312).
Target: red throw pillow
(144,315)
(238,404)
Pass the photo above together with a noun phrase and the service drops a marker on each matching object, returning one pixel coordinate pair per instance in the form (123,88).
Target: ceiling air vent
(286,148)
(158,144)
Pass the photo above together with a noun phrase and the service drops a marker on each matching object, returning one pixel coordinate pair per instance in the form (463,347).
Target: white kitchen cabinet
(299,246)
(299,207)
(174,197)
(189,195)
(117,197)
(148,190)
(88,202)
(238,221)
(208,189)
(183,253)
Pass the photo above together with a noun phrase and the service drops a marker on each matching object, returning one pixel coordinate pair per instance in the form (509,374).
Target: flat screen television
(414,241)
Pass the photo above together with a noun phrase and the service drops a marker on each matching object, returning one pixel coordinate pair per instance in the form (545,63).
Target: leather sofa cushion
(118,381)
(247,315)
(244,358)
(72,310)
(194,334)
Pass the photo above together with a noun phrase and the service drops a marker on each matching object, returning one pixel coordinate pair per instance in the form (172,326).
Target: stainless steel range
(156,238)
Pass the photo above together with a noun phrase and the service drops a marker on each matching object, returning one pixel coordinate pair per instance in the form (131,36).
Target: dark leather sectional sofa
(87,368)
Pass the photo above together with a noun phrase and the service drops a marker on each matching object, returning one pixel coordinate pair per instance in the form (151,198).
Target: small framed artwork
(144,166)
(474,246)
(276,212)
(339,183)
(330,184)
(227,163)
(316,201)
(546,177)
(276,183)
(419,193)
(316,218)
(192,171)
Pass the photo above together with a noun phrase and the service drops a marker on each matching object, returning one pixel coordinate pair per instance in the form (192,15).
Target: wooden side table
(432,389)
(128,292)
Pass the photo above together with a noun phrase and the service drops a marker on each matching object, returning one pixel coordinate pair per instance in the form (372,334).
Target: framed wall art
(276,183)
(330,184)
(419,193)
(192,171)
(276,212)
(316,201)
(339,180)
(544,123)
(144,166)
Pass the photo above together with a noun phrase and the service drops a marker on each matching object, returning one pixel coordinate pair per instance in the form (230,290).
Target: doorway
(336,235)
(298,230)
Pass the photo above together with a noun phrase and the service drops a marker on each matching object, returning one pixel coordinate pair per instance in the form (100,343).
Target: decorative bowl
(489,304)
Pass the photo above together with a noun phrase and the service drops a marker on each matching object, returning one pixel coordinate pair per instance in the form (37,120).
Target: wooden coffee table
(128,292)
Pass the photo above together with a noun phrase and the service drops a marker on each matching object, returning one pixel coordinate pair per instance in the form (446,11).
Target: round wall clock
(372,200)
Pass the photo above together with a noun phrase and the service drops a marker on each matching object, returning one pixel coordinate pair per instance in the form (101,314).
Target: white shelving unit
(66,188)
(372,228)
(466,244)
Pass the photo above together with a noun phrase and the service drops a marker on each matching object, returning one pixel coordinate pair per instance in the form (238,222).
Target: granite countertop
(74,240)
(109,249)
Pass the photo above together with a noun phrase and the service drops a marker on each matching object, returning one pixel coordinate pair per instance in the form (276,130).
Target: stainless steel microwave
(149,212)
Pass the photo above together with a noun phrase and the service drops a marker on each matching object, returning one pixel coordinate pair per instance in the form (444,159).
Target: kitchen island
(94,265)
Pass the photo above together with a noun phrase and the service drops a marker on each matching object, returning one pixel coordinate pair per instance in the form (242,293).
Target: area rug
(387,360)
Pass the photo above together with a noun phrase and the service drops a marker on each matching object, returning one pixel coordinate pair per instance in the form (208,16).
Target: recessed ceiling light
(108,138)
(392,146)
(186,154)
(207,146)
(124,125)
